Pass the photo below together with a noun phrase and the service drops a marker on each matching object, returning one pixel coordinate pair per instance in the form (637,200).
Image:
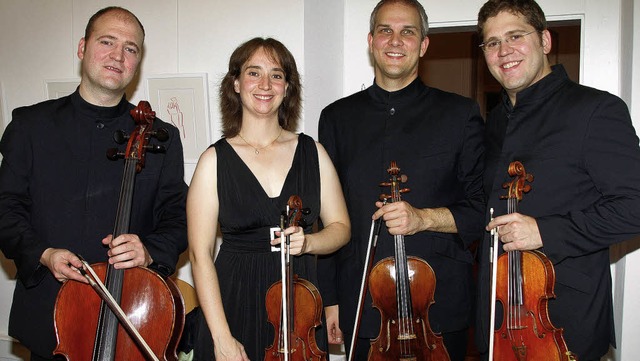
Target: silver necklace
(257,150)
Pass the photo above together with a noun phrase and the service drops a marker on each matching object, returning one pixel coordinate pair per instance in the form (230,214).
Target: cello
(294,310)
(402,288)
(523,282)
(85,326)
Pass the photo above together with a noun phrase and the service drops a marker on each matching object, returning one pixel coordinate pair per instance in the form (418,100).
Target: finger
(377,214)
(71,273)
(107,240)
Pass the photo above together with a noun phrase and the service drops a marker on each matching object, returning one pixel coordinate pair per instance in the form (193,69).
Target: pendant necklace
(257,150)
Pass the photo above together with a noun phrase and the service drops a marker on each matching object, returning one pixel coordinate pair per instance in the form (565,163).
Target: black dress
(245,264)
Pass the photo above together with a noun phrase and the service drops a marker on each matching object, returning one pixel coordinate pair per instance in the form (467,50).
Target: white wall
(38,39)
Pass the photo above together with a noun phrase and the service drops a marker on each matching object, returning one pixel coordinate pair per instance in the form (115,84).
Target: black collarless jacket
(435,138)
(58,189)
(581,147)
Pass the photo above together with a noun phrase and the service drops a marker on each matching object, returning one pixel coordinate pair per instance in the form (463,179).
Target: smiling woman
(244,182)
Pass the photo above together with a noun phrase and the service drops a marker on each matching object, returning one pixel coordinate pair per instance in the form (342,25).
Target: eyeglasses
(512,40)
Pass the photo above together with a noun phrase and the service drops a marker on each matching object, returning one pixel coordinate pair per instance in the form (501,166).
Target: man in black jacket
(59,192)
(581,147)
(435,138)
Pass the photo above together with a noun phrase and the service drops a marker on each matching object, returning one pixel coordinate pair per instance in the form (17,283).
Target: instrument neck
(516,295)
(104,348)
(403,293)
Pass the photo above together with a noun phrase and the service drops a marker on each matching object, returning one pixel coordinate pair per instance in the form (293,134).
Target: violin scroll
(295,213)
(394,184)
(518,186)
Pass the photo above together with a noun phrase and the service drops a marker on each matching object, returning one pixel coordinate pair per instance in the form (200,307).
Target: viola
(294,310)
(402,288)
(523,282)
(86,328)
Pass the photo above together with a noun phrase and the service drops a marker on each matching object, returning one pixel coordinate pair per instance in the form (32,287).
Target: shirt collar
(98,112)
(409,92)
(540,90)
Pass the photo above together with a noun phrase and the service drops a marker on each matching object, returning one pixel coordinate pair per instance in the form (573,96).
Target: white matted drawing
(2,102)
(2,105)
(182,100)
(55,89)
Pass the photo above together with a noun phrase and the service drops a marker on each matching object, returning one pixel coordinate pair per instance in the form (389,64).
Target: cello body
(152,303)
(423,345)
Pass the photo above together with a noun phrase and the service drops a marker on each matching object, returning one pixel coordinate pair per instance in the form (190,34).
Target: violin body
(392,344)
(307,312)
(531,336)
(153,304)
(524,282)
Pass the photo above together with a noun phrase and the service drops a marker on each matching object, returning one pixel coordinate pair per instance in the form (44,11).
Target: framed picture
(182,100)
(2,110)
(2,115)
(55,89)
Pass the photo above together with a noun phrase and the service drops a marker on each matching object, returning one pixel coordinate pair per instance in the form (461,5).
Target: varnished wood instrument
(294,310)
(523,283)
(86,327)
(402,288)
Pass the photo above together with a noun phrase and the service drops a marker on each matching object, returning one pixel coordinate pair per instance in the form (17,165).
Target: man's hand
(400,217)
(518,232)
(63,264)
(333,325)
(127,251)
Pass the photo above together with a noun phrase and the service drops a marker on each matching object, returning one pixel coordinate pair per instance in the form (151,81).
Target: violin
(86,327)
(523,283)
(402,288)
(294,310)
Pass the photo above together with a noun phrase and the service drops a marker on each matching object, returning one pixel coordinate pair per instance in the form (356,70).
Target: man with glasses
(581,147)
(436,139)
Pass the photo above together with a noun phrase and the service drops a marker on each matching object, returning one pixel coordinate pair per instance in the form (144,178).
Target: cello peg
(120,137)
(114,154)
(161,134)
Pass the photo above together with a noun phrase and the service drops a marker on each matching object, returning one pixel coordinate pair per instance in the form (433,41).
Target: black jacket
(58,189)
(436,139)
(581,148)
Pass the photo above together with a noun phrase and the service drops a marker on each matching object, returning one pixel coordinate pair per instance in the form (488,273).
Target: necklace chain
(257,150)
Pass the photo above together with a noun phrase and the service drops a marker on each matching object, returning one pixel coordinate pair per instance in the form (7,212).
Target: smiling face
(516,67)
(262,85)
(110,58)
(396,45)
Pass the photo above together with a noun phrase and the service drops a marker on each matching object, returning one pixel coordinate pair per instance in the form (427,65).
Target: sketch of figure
(176,116)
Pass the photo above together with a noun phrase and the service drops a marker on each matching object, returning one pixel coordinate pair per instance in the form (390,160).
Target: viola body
(153,304)
(306,316)
(528,334)
(421,344)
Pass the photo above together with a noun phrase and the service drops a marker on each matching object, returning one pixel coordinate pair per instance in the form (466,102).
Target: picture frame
(2,110)
(58,88)
(182,100)
(3,105)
